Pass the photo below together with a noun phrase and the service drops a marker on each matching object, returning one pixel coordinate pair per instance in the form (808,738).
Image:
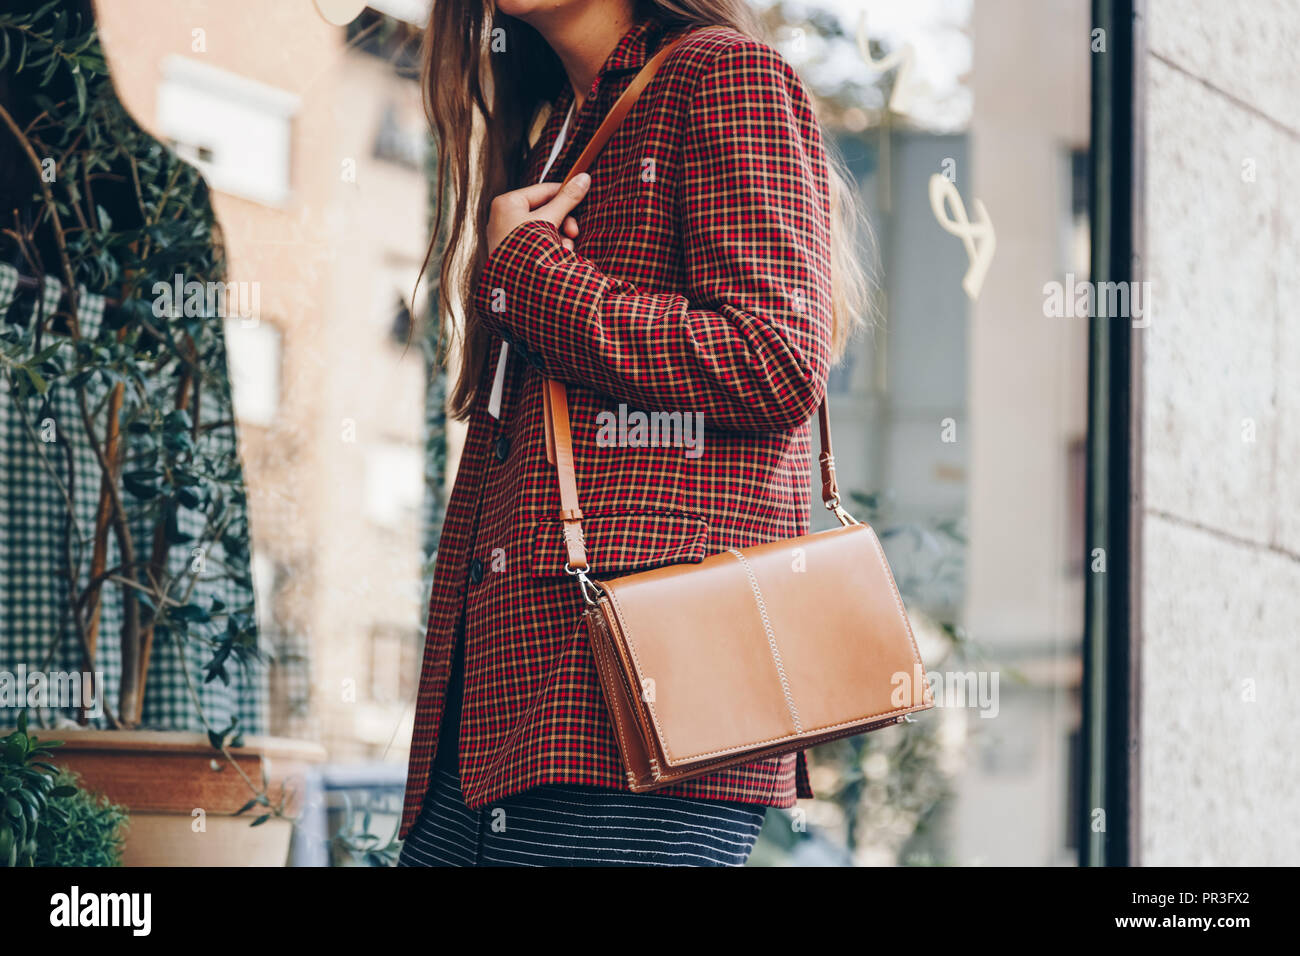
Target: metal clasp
(591,593)
(846,519)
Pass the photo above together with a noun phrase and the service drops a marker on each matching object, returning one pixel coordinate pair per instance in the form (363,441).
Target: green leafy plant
(139,381)
(103,206)
(87,832)
(30,794)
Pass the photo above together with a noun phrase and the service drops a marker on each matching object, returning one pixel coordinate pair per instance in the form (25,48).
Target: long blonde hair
(466,90)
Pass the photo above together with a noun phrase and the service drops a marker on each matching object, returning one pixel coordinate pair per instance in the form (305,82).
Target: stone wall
(1220,709)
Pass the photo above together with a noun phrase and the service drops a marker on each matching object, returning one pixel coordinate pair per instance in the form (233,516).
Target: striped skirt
(578,826)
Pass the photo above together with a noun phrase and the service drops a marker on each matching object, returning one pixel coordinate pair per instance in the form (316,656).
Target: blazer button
(502,448)
(475,571)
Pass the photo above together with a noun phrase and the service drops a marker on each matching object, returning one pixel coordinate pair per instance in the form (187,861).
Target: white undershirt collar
(499,381)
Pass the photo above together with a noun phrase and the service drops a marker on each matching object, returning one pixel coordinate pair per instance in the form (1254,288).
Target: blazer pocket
(618,542)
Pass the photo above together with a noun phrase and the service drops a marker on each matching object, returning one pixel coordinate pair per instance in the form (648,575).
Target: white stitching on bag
(771,640)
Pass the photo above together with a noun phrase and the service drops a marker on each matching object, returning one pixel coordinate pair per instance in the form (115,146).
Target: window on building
(236,130)
(394,483)
(254,356)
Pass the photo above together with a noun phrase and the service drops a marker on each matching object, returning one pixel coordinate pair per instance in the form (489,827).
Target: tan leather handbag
(750,653)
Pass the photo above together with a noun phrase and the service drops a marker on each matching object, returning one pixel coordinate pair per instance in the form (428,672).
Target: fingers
(545,201)
(530,197)
(566,200)
(569,232)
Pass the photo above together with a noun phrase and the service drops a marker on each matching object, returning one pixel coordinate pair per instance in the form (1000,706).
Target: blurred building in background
(1027,391)
(313,138)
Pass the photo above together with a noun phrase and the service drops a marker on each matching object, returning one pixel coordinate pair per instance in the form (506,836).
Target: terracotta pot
(182,794)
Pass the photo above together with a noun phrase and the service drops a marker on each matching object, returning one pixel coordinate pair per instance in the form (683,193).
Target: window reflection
(959,422)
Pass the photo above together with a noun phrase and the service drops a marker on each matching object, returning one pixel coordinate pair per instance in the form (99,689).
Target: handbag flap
(752,647)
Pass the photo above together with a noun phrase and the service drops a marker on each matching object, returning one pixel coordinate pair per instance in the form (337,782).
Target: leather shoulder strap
(555,405)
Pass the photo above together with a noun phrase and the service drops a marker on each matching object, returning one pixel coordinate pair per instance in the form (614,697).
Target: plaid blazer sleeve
(746,343)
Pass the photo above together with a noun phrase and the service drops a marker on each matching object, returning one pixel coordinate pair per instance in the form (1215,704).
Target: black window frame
(1112,631)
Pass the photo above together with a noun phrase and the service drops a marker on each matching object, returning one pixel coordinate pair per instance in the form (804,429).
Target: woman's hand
(545,201)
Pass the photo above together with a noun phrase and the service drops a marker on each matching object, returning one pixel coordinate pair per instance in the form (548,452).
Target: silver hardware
(591,593)
(833,505)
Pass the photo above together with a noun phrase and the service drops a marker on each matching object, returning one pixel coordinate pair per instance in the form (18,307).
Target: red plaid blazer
(700,284)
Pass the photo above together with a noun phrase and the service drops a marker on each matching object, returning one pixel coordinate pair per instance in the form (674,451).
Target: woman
(690,272)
